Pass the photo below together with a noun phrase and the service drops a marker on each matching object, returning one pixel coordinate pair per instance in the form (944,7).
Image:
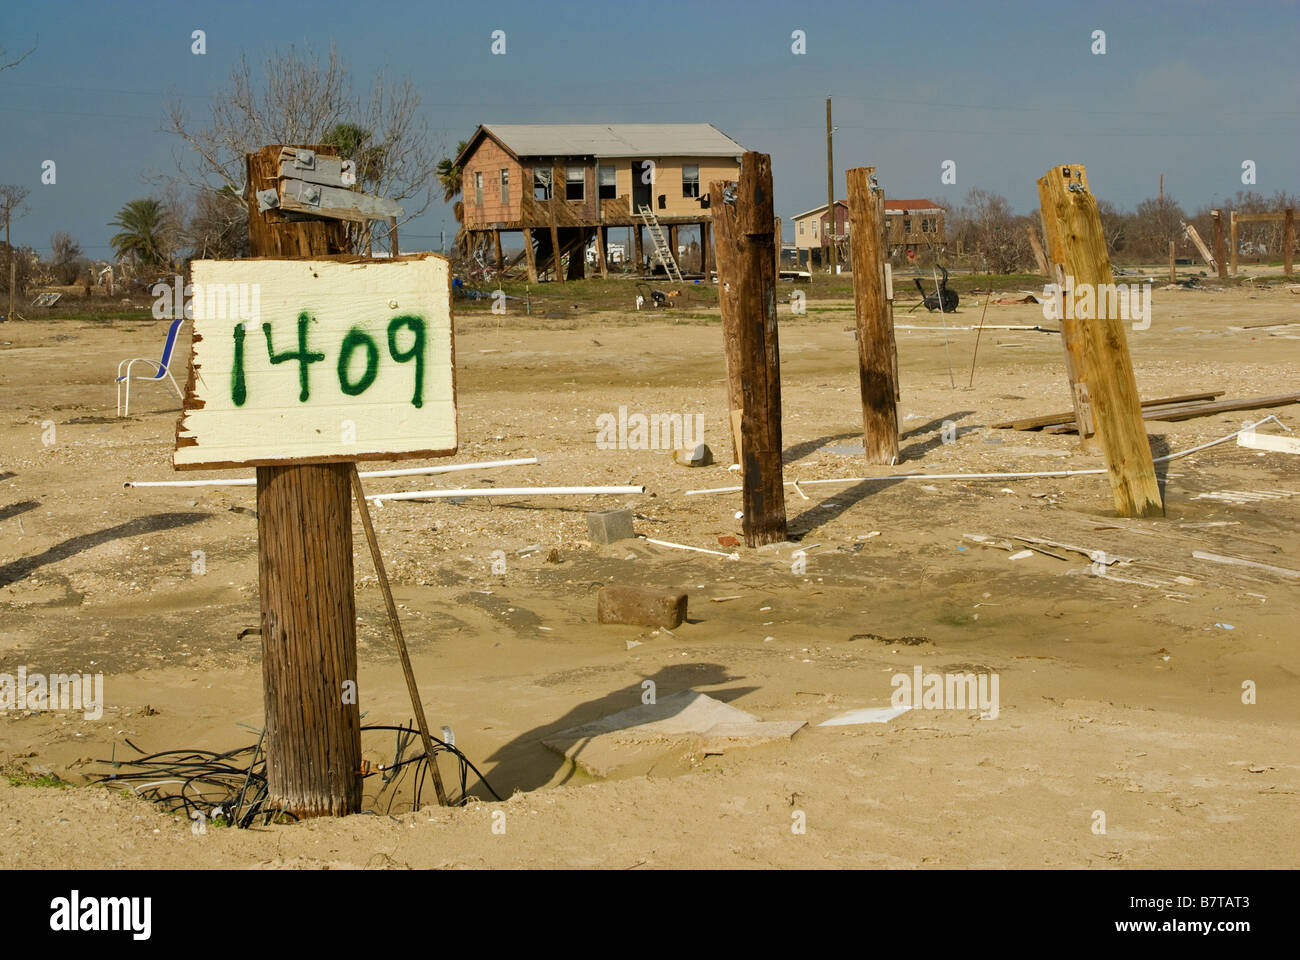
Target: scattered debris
(699,456)
(865,715)
(1240,562)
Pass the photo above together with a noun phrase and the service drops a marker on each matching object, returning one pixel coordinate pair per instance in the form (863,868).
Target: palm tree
(142,224)
(449,175)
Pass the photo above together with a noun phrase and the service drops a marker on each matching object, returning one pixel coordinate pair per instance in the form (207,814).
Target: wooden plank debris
(1052,419)
(1240,562)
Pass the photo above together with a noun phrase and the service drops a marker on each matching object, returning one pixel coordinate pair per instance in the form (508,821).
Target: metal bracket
(309,193)
(305,159)
(267,200)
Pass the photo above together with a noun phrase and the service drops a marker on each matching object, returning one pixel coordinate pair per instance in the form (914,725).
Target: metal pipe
(405,472)
(502,492)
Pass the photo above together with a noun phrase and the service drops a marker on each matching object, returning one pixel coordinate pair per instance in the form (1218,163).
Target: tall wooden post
(672,244)
(392,235)
(1109,368)
(776,235)
(1219,251)
(706,253)
(1232,239)
(877,353)
(830,186)
(304,534)
(602,241)
(746,271)
(640,250)
(530,255)
(557,185)
(501,260)
(1288,240)
(1050,189)
(1173,275)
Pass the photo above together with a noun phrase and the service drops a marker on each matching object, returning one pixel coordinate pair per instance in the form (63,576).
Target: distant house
(562,184)
(909,225)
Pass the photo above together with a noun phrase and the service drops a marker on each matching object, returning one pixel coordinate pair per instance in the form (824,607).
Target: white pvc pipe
(683,546)
(502,492)
(995,476)
(405,472)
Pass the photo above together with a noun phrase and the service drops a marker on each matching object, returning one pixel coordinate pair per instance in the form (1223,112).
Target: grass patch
(19,777)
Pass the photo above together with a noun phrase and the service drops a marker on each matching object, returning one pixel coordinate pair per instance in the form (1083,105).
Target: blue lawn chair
(163,365)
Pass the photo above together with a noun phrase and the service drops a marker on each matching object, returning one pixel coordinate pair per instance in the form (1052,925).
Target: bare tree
(65,258)
(991,232)
(1154,223)
(304,98)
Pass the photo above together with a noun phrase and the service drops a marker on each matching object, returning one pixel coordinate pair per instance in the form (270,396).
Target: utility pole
(830,184)
(9,252)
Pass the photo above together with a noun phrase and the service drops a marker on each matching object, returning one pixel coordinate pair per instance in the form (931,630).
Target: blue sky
(1005,90)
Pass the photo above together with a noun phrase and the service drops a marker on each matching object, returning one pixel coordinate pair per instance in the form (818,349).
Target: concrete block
(606,526)
(641,606)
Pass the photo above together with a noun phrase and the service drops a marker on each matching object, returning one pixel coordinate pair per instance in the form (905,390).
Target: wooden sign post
(877,352)
(301,367)
(743,221)
(1071,211)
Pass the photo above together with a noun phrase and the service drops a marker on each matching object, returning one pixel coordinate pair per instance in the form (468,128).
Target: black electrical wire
(239,786)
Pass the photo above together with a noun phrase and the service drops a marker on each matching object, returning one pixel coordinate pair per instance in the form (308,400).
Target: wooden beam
(602,241)
(557,184)
(1260,217)
(1051,189)
(1288,241)
(1037,247)
(1219,252)
(877,352)
(1191,410)
(706,248)
(1052,419)
(672,245)
(777,235)
(501,260)
(1232,239)
(392,235)
(530,255)
(746,270)
(1113,389)
(1201,248)
(640,249)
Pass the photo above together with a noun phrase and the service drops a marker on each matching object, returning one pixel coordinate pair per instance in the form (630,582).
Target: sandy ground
(1116,696)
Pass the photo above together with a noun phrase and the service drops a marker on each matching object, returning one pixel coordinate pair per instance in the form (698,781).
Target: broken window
(505,186)
(607,183)
(690,180)
(541,183)
(925,225)
(907,224)
(478,187)
(575,183)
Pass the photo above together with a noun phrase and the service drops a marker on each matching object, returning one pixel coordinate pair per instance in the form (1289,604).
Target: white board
(375,382)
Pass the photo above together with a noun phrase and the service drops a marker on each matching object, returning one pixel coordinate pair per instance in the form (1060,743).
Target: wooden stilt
(1108,366)
(744,229)
(640,250)
(1219,251)
(530,255)
(602,241)
(1050,189)
(877,353)
(501,260)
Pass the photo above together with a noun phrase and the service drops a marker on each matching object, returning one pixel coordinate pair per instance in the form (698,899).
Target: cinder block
(606,526)
(641,606)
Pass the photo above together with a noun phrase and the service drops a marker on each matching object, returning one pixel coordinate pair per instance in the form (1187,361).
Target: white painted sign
(311,361)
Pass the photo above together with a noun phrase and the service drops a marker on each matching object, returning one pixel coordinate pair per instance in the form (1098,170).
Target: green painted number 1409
(355,339)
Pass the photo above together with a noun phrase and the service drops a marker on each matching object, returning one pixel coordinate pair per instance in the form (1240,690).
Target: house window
(925,225)
(907,224)
(814,228)
(541,183)
(505,186)
(575,183)
(607,182)
(690,180)
(801,228)
(478,188)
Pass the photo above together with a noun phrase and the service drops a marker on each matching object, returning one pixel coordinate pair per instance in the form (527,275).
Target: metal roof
(614,139)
